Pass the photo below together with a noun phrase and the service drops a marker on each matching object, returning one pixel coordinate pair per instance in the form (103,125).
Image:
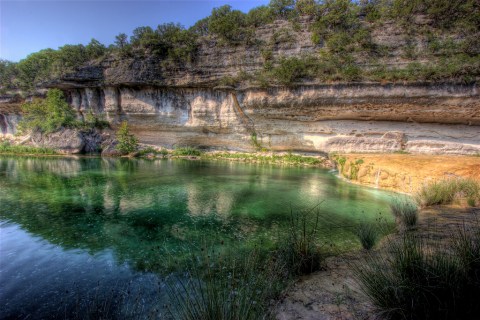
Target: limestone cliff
(172,106)
(9,115)
(421,118)
(435,119)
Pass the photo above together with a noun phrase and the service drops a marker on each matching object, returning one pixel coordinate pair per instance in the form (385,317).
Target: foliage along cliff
(374,76)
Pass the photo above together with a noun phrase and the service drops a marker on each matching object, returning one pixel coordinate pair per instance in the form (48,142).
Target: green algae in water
(148,216)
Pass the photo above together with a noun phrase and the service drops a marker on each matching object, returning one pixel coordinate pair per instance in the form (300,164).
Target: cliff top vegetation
(441,43)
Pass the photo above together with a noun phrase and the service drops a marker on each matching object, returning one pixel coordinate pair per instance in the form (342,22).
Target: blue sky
(29,26)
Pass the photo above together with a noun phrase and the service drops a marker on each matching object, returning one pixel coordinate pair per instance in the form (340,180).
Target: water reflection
(94,204)
(88,220)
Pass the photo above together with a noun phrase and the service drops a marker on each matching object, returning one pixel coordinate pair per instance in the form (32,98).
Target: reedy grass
(289,158)
(448,191)
(224,286)
(405,211)
(151,150)
(186,151)
(219,285)
(8,148)
(300,252)
(367,234)
(412,280)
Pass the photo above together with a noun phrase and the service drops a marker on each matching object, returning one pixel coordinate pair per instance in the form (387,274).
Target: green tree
(8,74)
(306,7)
(180,45)
(127,142)
(260,16)
(290,69)
(141,34)
(67,59)
(282,8)
(169,41)
(200,27)
(47,115)
(338,15)
(228,24)
(121,40)
(35,68)
(448,13)
(95,49)
(122,45)
(148,40)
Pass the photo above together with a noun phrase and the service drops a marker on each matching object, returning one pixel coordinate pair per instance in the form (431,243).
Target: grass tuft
(8,148)
(367,234)
(448,191)
(411,280)
(186,151)
(300,253)
(290,158)
(405,211)
(152,151)
(223,286)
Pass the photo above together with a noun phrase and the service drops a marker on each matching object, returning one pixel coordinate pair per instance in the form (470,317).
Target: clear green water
(73,229)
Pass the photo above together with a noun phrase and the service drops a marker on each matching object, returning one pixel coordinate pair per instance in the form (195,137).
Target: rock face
(9,114)
(65,141)
(8,123)
(405,172)
(183,106)
(72,141)
(421,118)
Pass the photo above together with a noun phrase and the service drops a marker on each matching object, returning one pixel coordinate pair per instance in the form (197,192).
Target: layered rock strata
(414,118)
(177,105)
(432,119)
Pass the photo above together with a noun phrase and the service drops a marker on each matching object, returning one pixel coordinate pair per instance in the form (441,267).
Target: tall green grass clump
(224,286)
(448,191)
(300,252)
(414,281)
(8,148)
(186,151)
(152,151)
(405,211)
(290,159)
(298,159)
(367,234)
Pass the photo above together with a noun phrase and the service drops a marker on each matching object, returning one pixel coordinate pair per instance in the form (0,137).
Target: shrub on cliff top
(228,24)
(127,142)
(47,115)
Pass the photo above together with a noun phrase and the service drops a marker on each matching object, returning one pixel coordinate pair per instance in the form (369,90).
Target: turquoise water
(77,230)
